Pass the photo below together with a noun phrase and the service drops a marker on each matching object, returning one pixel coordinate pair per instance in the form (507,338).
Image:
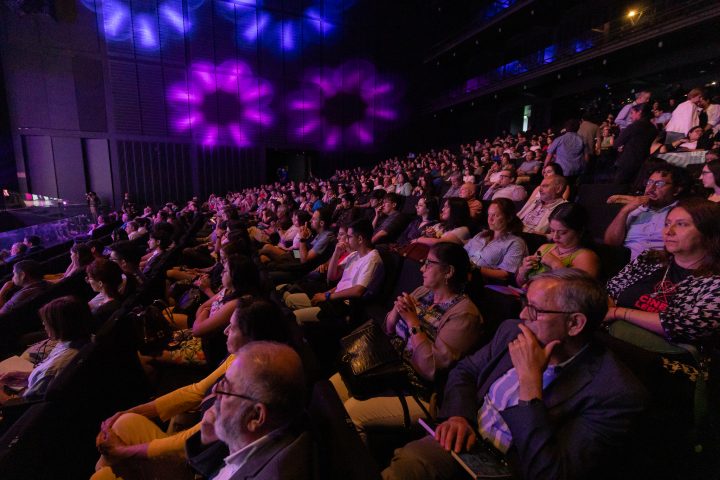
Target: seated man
(259,403)
(536,212)
(467,192)
(529,168)
(639,224)
(27,282)
(362,275)
(455,184)
(543,392)
(388,222)
(34,244)
(310,247)
(505,187)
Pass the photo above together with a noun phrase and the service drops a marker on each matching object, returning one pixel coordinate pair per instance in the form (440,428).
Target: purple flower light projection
(221,104)
(342,106)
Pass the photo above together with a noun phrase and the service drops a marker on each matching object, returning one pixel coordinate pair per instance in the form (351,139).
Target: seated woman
(693,141)
(105,278)
(498,251)
(710,177)
(453,226)
(289,239)
(67,322)
(131,435)
(427,210)
(568,230)
(434,326)
(675,293)
(80,257)
(201,340)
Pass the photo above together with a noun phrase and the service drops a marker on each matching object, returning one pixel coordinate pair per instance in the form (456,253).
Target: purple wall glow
(221,104)
(342,106)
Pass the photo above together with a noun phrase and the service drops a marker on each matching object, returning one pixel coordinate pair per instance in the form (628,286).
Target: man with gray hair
(259,403)
(542,393)
(455,184)
(536,212)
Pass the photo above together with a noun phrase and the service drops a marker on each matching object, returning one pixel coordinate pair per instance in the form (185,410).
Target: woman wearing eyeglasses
(675,292)
(435,325)
(568,230)
(132,434)
(710,178)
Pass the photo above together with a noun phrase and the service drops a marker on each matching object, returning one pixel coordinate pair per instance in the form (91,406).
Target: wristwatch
(527,403)
(327,295)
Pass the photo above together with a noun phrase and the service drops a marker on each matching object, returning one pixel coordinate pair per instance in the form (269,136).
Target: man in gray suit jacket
(256,414)
(542,392)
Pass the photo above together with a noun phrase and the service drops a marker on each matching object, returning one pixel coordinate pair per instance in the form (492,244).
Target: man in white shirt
(362,276)
(685,116)
(256,411)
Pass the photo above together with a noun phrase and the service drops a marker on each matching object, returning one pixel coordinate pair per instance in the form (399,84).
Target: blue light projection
(121,24)
(344,106)
(281,33)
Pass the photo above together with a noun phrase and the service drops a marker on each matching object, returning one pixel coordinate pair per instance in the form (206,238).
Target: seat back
(594,198)
(342,454)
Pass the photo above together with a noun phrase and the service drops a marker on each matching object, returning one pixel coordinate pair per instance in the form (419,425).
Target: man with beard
(639,224)
(257,412)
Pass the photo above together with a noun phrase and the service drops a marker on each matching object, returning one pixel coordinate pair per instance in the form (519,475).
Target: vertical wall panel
(69,169)
(98,169)
(40,167)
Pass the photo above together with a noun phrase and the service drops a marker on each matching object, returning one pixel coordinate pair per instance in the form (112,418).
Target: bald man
(467,192)
(259,404)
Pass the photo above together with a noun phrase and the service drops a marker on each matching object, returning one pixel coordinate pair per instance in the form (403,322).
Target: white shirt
(684,117)
(365,271)
(235,461)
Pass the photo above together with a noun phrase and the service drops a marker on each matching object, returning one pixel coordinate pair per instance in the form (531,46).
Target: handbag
(152,330)
(189,301)
(370,365)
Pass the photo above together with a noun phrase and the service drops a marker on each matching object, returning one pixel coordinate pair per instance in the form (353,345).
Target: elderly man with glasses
(542,393)
(256,414)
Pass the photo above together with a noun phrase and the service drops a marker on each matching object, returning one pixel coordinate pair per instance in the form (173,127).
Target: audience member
(505,187)
(675,292)
(638,225)
(710,178)
(67,324)
(362,274)
(467,193)
(568,151)
(428,211)
(26,283)
(568,232)
(498,251)
(388,222)
(453,226)
(543,392)
(685,116)
(435,325)
(634,144)
(623,119)
(131,435)
(536,211)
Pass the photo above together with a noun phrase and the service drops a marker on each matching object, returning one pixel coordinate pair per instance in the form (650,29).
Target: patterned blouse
(693,310)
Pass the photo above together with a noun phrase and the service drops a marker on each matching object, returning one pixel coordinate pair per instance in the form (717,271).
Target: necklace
(566,252)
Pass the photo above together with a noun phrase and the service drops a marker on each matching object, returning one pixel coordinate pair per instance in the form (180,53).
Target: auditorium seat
(342,455)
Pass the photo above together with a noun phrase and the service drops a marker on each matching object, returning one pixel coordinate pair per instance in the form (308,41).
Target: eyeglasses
(657,183)
(533,311)
(427,262)
(222,389)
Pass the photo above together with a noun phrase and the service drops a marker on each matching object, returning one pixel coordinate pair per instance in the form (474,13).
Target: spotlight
(632,13)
